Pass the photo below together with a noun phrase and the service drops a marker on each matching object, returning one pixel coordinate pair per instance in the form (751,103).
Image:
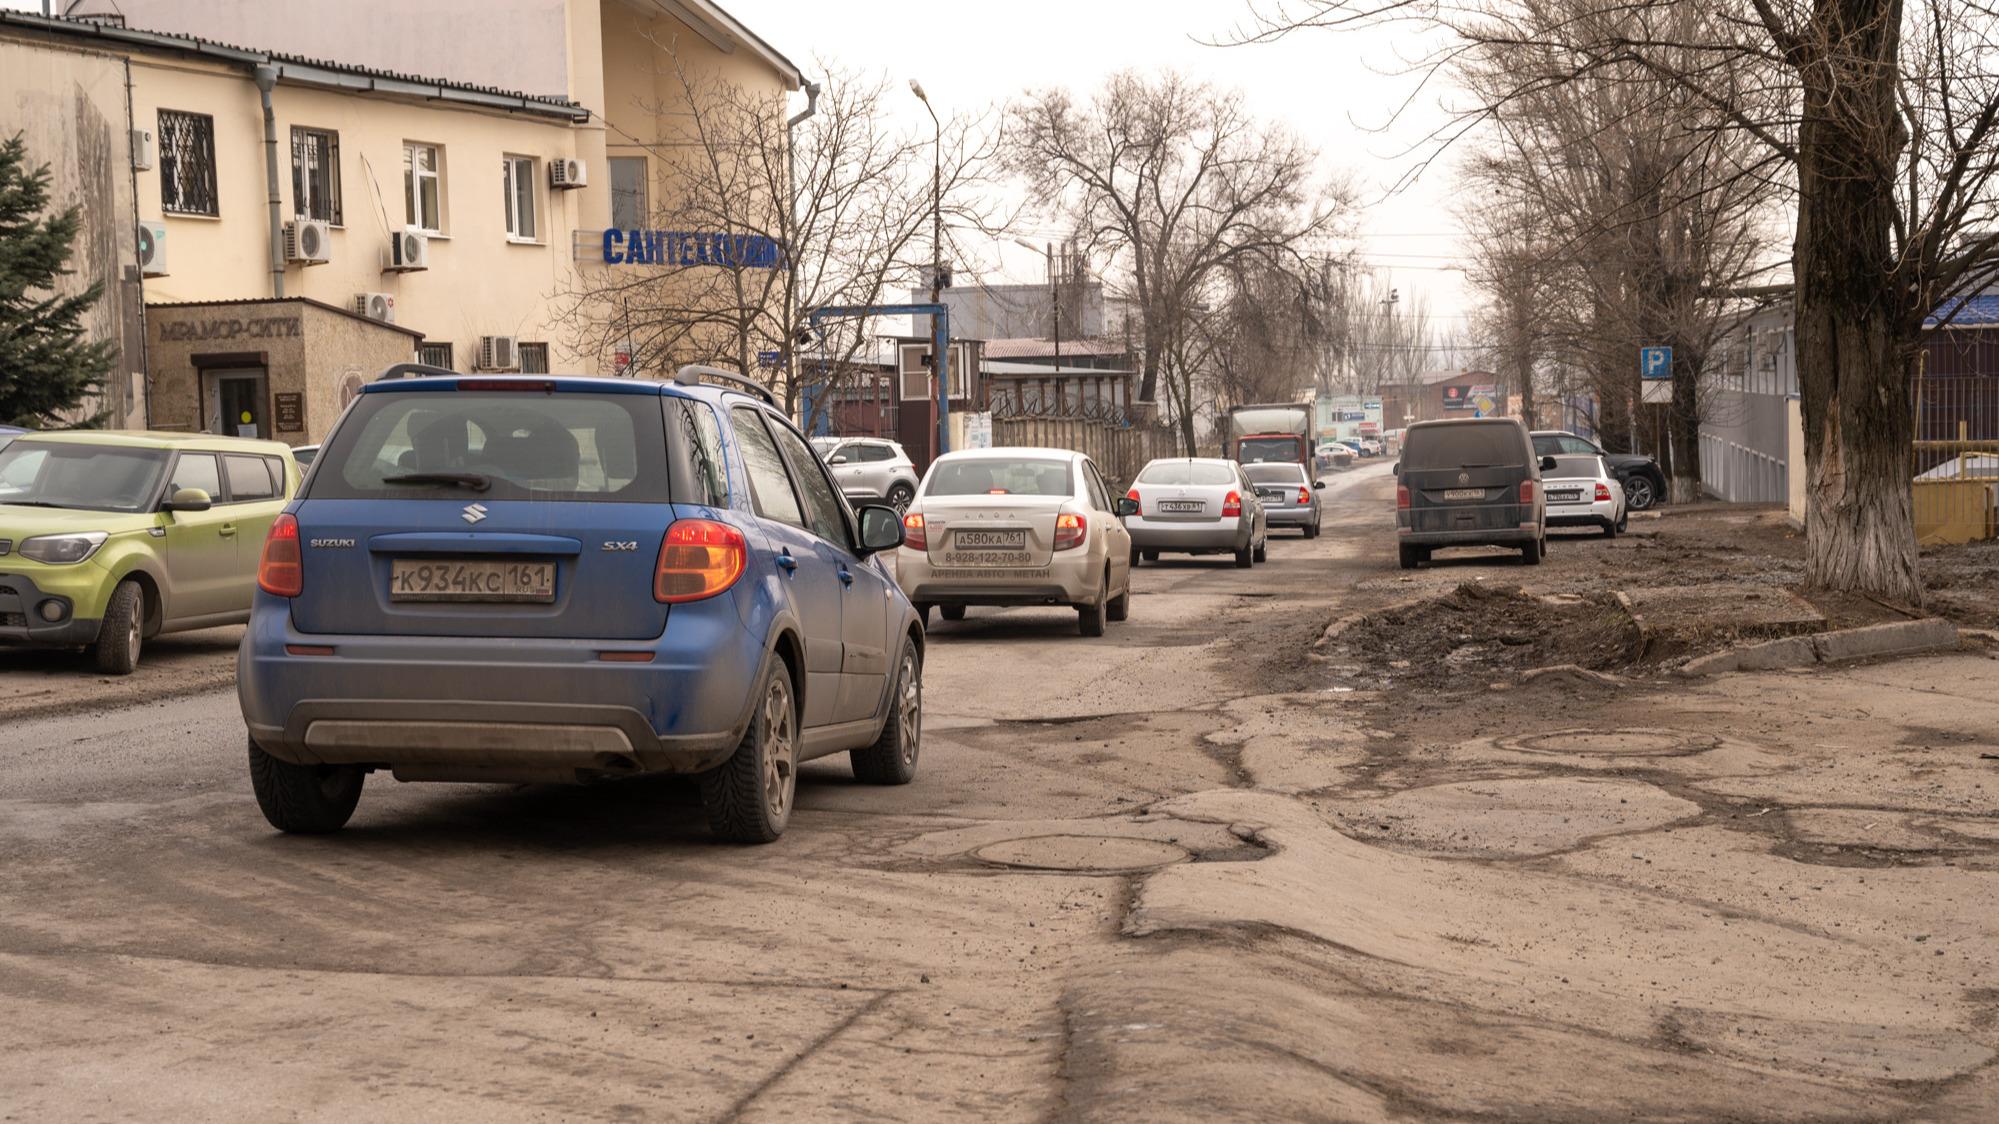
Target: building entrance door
(236,403)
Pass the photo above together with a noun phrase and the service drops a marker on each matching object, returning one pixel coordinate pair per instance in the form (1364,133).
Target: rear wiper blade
(471,480)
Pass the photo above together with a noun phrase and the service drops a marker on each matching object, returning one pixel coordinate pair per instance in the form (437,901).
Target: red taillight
(1603,493)
(281,572)
(1133,496)
(1069,530)
(1231,505)
(698,558)
(1526,491)
(1304,497)
(913,535)
(1401,497)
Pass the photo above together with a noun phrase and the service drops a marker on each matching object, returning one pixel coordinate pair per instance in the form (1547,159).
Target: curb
(1896,638)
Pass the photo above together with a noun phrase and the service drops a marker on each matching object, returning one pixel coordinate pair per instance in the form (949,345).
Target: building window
(628,192)
(434,355)
(187,163)
(533,358)
(316,174)
(423,186)
(519,181)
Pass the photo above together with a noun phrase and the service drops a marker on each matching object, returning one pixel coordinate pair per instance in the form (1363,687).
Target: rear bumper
(1231,533)
(455,708)
(1480,536)
(21,600)
(1582,514)
(1289,516)
(1070,578)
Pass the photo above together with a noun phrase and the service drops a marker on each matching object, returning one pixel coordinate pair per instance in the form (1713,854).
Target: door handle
(786,562)
(846,576)
(227,530)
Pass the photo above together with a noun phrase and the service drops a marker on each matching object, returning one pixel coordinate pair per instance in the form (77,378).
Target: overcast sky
(1331,88)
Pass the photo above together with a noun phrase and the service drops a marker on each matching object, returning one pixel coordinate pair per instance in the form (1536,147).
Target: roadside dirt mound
(1480,632)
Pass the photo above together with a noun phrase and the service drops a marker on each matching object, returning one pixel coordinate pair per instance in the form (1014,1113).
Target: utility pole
(1054,288)
(790,344)
(940,340)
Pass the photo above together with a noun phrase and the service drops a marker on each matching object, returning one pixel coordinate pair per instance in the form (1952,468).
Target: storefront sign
(290,411)
(681,247)
(231,328)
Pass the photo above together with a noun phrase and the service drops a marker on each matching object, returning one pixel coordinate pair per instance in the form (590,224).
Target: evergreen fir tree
(47,367)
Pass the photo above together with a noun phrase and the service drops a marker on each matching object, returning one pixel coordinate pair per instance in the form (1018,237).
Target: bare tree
(836,211)
(1882,115)
(1169,181)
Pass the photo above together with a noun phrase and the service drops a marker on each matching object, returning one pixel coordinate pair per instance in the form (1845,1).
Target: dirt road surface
(1185,872)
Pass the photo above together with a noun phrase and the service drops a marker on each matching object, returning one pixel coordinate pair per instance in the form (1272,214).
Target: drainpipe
(267,79)
(790,344)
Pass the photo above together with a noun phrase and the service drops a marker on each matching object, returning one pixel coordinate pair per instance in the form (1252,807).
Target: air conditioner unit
(564,174)
(496,353)
(308,241)
(376,306)
(142,149)
(409,251)
(152,249)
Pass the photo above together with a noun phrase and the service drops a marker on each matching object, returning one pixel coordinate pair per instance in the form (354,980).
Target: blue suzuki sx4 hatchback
(569,580)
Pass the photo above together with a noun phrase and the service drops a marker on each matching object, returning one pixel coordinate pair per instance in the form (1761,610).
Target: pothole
(1614,743)
(1088,854)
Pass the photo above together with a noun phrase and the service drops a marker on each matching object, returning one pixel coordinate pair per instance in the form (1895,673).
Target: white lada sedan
(1017,527)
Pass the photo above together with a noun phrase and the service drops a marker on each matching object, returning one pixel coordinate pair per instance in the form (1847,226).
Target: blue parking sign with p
(1655,362)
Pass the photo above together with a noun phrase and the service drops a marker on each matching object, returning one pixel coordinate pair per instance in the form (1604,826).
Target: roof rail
(694,374)
(414,371)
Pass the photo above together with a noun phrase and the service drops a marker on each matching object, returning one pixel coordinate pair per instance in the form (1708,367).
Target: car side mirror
(881,528)
(1126,506)
(838,458)
(1547,464)
(188,499)
(1318,484)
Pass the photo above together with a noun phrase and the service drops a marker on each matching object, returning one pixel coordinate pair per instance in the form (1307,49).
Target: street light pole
(940,343)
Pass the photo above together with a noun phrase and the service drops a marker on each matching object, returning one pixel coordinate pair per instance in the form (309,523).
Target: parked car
(1583,492)
(1369,446)
(303,454)
(1197,505)
(871,468)
(1335,455)
(1288,498)
(1017,526)
(1470,482)
(109,539)
(1644,483)
(535,578)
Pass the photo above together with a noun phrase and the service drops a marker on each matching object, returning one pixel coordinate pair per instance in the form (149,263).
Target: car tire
(1312,530)
(1412,556)
(1624,520)
(1245,558)
(1090,618)
(1261,552)
(892,757)
(749,797)
(1150,555)
(899,496)
(923,613)
(1609,529)
(1120,606)
(304,799)
(1640,492)
(951,612)
(121,634)
(1136,557)
(1531,553)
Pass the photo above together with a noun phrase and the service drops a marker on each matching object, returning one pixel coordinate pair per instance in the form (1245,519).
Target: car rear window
(1023,476)
(1263,450)
(1186,472)
(524,446)
(1496,445)
(1574,466)
(1275,473)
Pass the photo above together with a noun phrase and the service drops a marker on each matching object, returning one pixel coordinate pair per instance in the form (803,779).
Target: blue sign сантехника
(683,247)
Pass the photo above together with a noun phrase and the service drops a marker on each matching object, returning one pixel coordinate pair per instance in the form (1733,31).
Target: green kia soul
(109,538)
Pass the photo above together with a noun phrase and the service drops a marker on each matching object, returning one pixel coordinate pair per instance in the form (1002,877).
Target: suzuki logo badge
(474,512)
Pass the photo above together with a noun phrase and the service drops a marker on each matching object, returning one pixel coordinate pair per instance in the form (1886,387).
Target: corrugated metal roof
(1981,311)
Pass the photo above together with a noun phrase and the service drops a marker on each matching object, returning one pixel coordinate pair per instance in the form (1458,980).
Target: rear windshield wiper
(471,480)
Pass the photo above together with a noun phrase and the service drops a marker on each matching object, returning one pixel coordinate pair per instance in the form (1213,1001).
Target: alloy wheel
(910,708)
(780,750)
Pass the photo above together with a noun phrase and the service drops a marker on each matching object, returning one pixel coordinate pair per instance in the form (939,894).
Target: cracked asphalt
(1185,872)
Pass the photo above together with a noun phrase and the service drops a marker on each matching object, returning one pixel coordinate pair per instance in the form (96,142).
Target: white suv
(870,468)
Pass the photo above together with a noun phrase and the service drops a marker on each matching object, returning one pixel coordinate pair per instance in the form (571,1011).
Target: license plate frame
(1464,493)
(421,580)
(1181,507)
(969,539)
(1565,497)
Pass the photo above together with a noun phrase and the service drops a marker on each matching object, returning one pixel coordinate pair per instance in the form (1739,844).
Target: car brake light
(913,535)
(698,558)
(280,571)
(1603,493)
(539,386)
(1526,491)
(1304,497)
(1069,531)
(1134,497)
(1231,504)
(1402,497)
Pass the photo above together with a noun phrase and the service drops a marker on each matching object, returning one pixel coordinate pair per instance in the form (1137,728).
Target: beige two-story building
(303,213)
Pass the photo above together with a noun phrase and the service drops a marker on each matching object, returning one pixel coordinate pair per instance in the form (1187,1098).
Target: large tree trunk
(1683,428)
(1854,336)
